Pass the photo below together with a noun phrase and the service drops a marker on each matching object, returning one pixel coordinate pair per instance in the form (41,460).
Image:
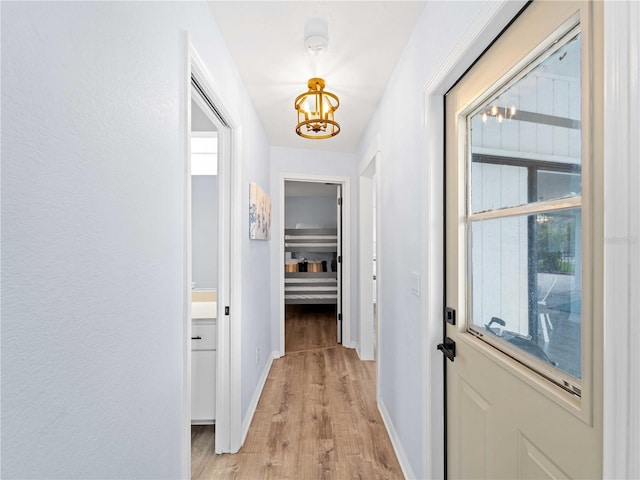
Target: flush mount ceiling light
(315,112)
(316,36)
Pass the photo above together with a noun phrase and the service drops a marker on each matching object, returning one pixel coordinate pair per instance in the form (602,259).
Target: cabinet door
(203,386)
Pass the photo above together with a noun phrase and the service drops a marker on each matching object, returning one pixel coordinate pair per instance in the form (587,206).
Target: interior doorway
(313,261)
(321,251)
(210,388)
(209,273)
(204,261)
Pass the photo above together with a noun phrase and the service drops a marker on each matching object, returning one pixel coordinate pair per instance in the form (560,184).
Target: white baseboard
(350,344)
(246,423)
(395,441)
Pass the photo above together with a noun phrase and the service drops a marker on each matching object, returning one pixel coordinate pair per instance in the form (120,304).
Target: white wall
(317,163)
(93,140)
(256,265)
(400,123)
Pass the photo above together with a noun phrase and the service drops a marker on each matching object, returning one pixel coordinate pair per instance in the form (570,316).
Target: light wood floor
(310,326)
(316,419)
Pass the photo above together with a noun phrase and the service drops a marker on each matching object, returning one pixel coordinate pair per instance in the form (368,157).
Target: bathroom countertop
(201,310)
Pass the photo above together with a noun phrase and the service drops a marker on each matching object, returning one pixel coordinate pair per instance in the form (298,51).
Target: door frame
(228,385)
(345,182)
(621,419)
(367,186)
(621,49)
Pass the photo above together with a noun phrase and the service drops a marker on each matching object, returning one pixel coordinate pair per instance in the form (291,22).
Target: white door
(524,252)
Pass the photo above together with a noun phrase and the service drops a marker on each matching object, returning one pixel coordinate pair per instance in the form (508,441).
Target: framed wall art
(259,213)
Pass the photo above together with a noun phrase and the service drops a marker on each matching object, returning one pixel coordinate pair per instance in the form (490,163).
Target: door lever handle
(448,348)
(196,338)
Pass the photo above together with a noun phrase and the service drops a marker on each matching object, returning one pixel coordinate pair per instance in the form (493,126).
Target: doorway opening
(204,269)
(210,180)
(204,264)
(314,252)
(312,249)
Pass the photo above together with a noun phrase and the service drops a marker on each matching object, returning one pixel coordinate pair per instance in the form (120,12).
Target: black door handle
(448,348)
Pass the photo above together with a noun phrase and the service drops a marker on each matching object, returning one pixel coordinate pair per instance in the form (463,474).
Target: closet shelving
(311,287)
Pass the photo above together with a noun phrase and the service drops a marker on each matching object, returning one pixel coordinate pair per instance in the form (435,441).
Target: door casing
(369,167)
(345,183)
(622,283)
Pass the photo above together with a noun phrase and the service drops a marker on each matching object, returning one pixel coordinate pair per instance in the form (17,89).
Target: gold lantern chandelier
(315,111)
(316,107)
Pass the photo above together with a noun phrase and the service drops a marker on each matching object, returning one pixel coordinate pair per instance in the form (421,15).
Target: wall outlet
(257,355)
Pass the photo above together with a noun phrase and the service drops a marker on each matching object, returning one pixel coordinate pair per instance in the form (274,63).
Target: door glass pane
(527,284)
(525,142)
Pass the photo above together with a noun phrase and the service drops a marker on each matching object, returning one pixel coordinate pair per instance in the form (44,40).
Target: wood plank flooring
(310,326)
(317,418)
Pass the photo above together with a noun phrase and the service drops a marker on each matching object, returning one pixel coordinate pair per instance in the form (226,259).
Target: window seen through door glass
(526,269)
(539,313)
(532,128)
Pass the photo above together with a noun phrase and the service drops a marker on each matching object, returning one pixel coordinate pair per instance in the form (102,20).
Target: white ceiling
(366,39)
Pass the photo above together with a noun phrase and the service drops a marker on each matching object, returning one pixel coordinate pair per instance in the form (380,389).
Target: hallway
(317,417)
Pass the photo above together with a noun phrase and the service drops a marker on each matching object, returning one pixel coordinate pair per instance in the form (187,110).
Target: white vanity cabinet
(203,371)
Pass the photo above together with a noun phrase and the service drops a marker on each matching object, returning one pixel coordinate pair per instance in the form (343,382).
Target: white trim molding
(621,442)
(253,404)
(403,460)
(368,183)
(186,269)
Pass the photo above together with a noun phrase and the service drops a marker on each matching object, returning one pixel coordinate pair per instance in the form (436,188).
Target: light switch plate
(415,283)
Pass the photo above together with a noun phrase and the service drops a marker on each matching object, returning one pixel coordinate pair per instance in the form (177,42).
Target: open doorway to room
(204,272)
(204,265)
(312,249)
(212,420)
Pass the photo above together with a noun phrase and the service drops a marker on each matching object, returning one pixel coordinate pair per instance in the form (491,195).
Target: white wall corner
(371,151)
(621,416)
(395,441)
(246,423)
